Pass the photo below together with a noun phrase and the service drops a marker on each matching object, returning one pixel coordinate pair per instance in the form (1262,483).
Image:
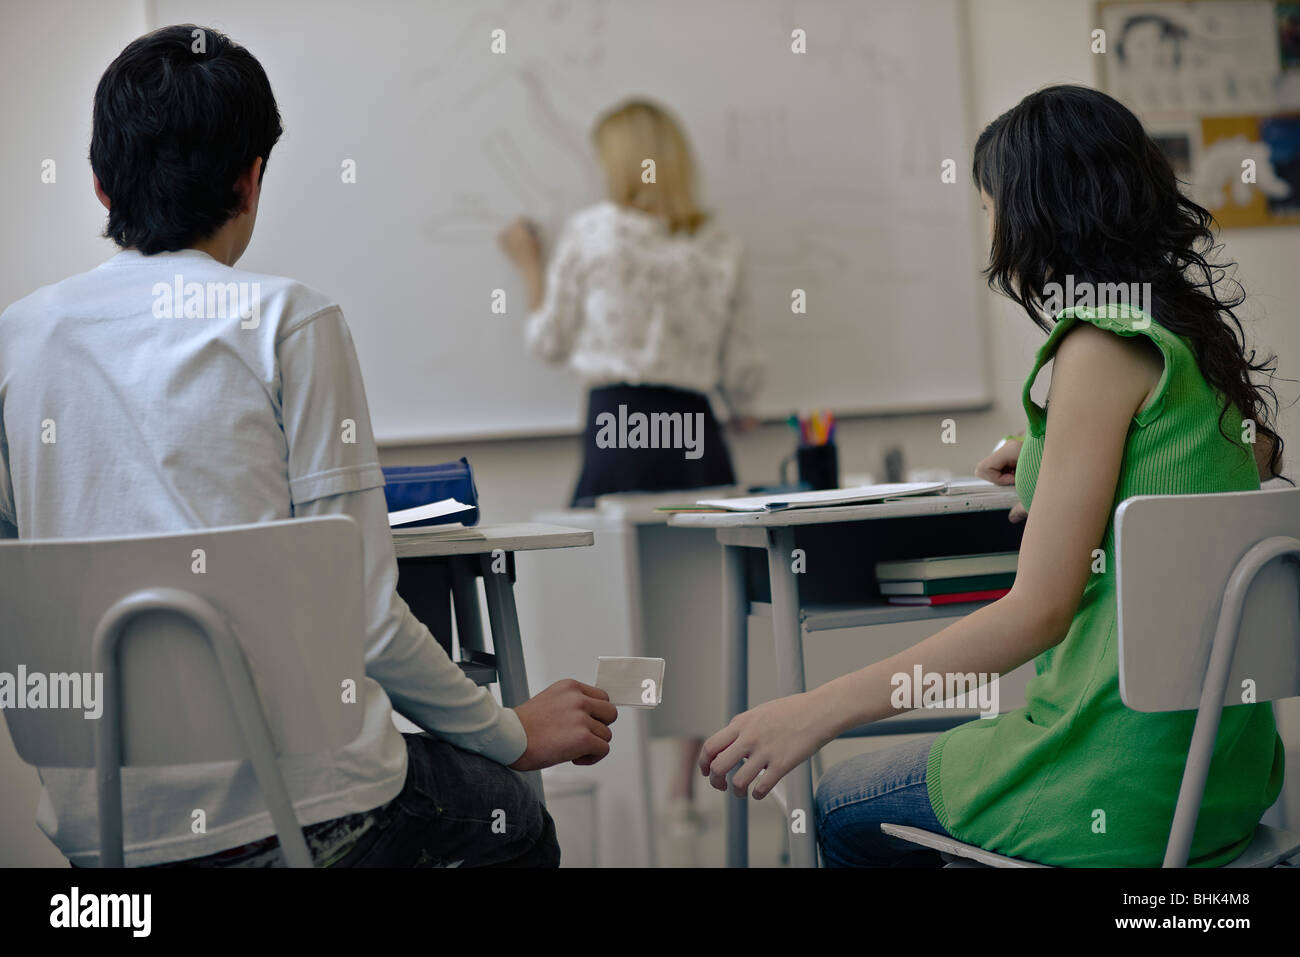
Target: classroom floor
(706,847)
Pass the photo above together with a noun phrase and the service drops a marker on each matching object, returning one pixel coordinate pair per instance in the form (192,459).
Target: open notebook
(856,495)
(834,496)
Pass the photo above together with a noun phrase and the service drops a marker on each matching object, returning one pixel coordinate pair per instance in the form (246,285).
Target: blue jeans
(855,797)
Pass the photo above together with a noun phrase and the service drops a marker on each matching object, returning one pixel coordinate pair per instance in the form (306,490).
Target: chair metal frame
(244,702)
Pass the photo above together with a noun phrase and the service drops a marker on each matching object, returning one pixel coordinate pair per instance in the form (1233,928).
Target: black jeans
(457,809)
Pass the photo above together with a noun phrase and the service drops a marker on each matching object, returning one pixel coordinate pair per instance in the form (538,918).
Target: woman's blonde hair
(638,130)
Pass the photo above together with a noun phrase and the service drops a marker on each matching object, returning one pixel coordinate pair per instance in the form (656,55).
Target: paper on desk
(974,486)
(827,497)
(631,682)
(405,516)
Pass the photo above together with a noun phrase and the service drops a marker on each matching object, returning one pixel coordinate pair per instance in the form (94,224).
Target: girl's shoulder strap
(1124,320)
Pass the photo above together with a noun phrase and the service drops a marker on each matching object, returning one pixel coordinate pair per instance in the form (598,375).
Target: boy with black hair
(188,394)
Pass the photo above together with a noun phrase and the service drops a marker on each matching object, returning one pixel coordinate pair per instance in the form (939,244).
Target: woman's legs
(855,797)
(682,819)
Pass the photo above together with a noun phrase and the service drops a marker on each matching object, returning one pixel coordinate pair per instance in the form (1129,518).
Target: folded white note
(433,510)
(631,682)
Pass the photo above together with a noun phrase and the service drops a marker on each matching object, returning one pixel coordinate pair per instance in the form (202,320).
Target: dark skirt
(626,422)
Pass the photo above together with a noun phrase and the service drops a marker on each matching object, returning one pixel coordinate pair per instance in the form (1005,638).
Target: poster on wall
(1217,83)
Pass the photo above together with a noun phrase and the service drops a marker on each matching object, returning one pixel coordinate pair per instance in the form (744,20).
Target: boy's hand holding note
(569,721)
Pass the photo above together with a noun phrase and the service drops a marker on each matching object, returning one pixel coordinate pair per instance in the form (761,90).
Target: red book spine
(987,595)
(956,598)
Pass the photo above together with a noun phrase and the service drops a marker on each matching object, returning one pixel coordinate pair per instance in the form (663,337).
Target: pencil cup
(819,466)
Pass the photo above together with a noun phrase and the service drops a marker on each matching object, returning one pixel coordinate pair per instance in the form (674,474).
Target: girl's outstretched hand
(770,739)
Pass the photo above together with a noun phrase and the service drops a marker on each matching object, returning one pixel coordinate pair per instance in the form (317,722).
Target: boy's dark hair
(179,115)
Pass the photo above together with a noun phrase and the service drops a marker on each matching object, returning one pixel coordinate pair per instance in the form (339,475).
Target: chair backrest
(1174,557)
(290,592)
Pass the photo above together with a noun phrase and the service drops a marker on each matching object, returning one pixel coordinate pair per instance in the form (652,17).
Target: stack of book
(947,580)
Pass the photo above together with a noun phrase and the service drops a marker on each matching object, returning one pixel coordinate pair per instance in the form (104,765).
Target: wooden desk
(841,546)
(487,552)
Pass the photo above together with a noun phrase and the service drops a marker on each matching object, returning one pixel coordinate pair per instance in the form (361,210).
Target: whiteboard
(825,164)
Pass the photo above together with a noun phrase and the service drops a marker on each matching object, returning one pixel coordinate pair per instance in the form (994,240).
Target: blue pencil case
(409,486)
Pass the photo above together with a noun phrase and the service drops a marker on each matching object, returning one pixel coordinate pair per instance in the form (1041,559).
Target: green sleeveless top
(1076,778)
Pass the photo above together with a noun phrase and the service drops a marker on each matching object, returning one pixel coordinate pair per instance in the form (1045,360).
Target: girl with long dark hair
(1153,396)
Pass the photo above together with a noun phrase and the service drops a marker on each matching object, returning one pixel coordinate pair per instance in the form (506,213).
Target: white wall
(52,54)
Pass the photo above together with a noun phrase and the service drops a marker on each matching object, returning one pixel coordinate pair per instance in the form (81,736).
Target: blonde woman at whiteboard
(639,300)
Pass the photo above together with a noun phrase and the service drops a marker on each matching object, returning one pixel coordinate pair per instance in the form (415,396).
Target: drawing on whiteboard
(862,59)
(757,141)
(547,80)
(545,179)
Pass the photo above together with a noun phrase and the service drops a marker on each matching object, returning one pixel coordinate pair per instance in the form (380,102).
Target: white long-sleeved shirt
(166,423)
(628,301)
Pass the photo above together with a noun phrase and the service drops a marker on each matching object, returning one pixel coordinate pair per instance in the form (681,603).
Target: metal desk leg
(464,593)
(788,638)
(507,646)
(735,671)
(627,538)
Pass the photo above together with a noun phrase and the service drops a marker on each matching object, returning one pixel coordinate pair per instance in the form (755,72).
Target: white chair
(1209,604)
(214,645)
